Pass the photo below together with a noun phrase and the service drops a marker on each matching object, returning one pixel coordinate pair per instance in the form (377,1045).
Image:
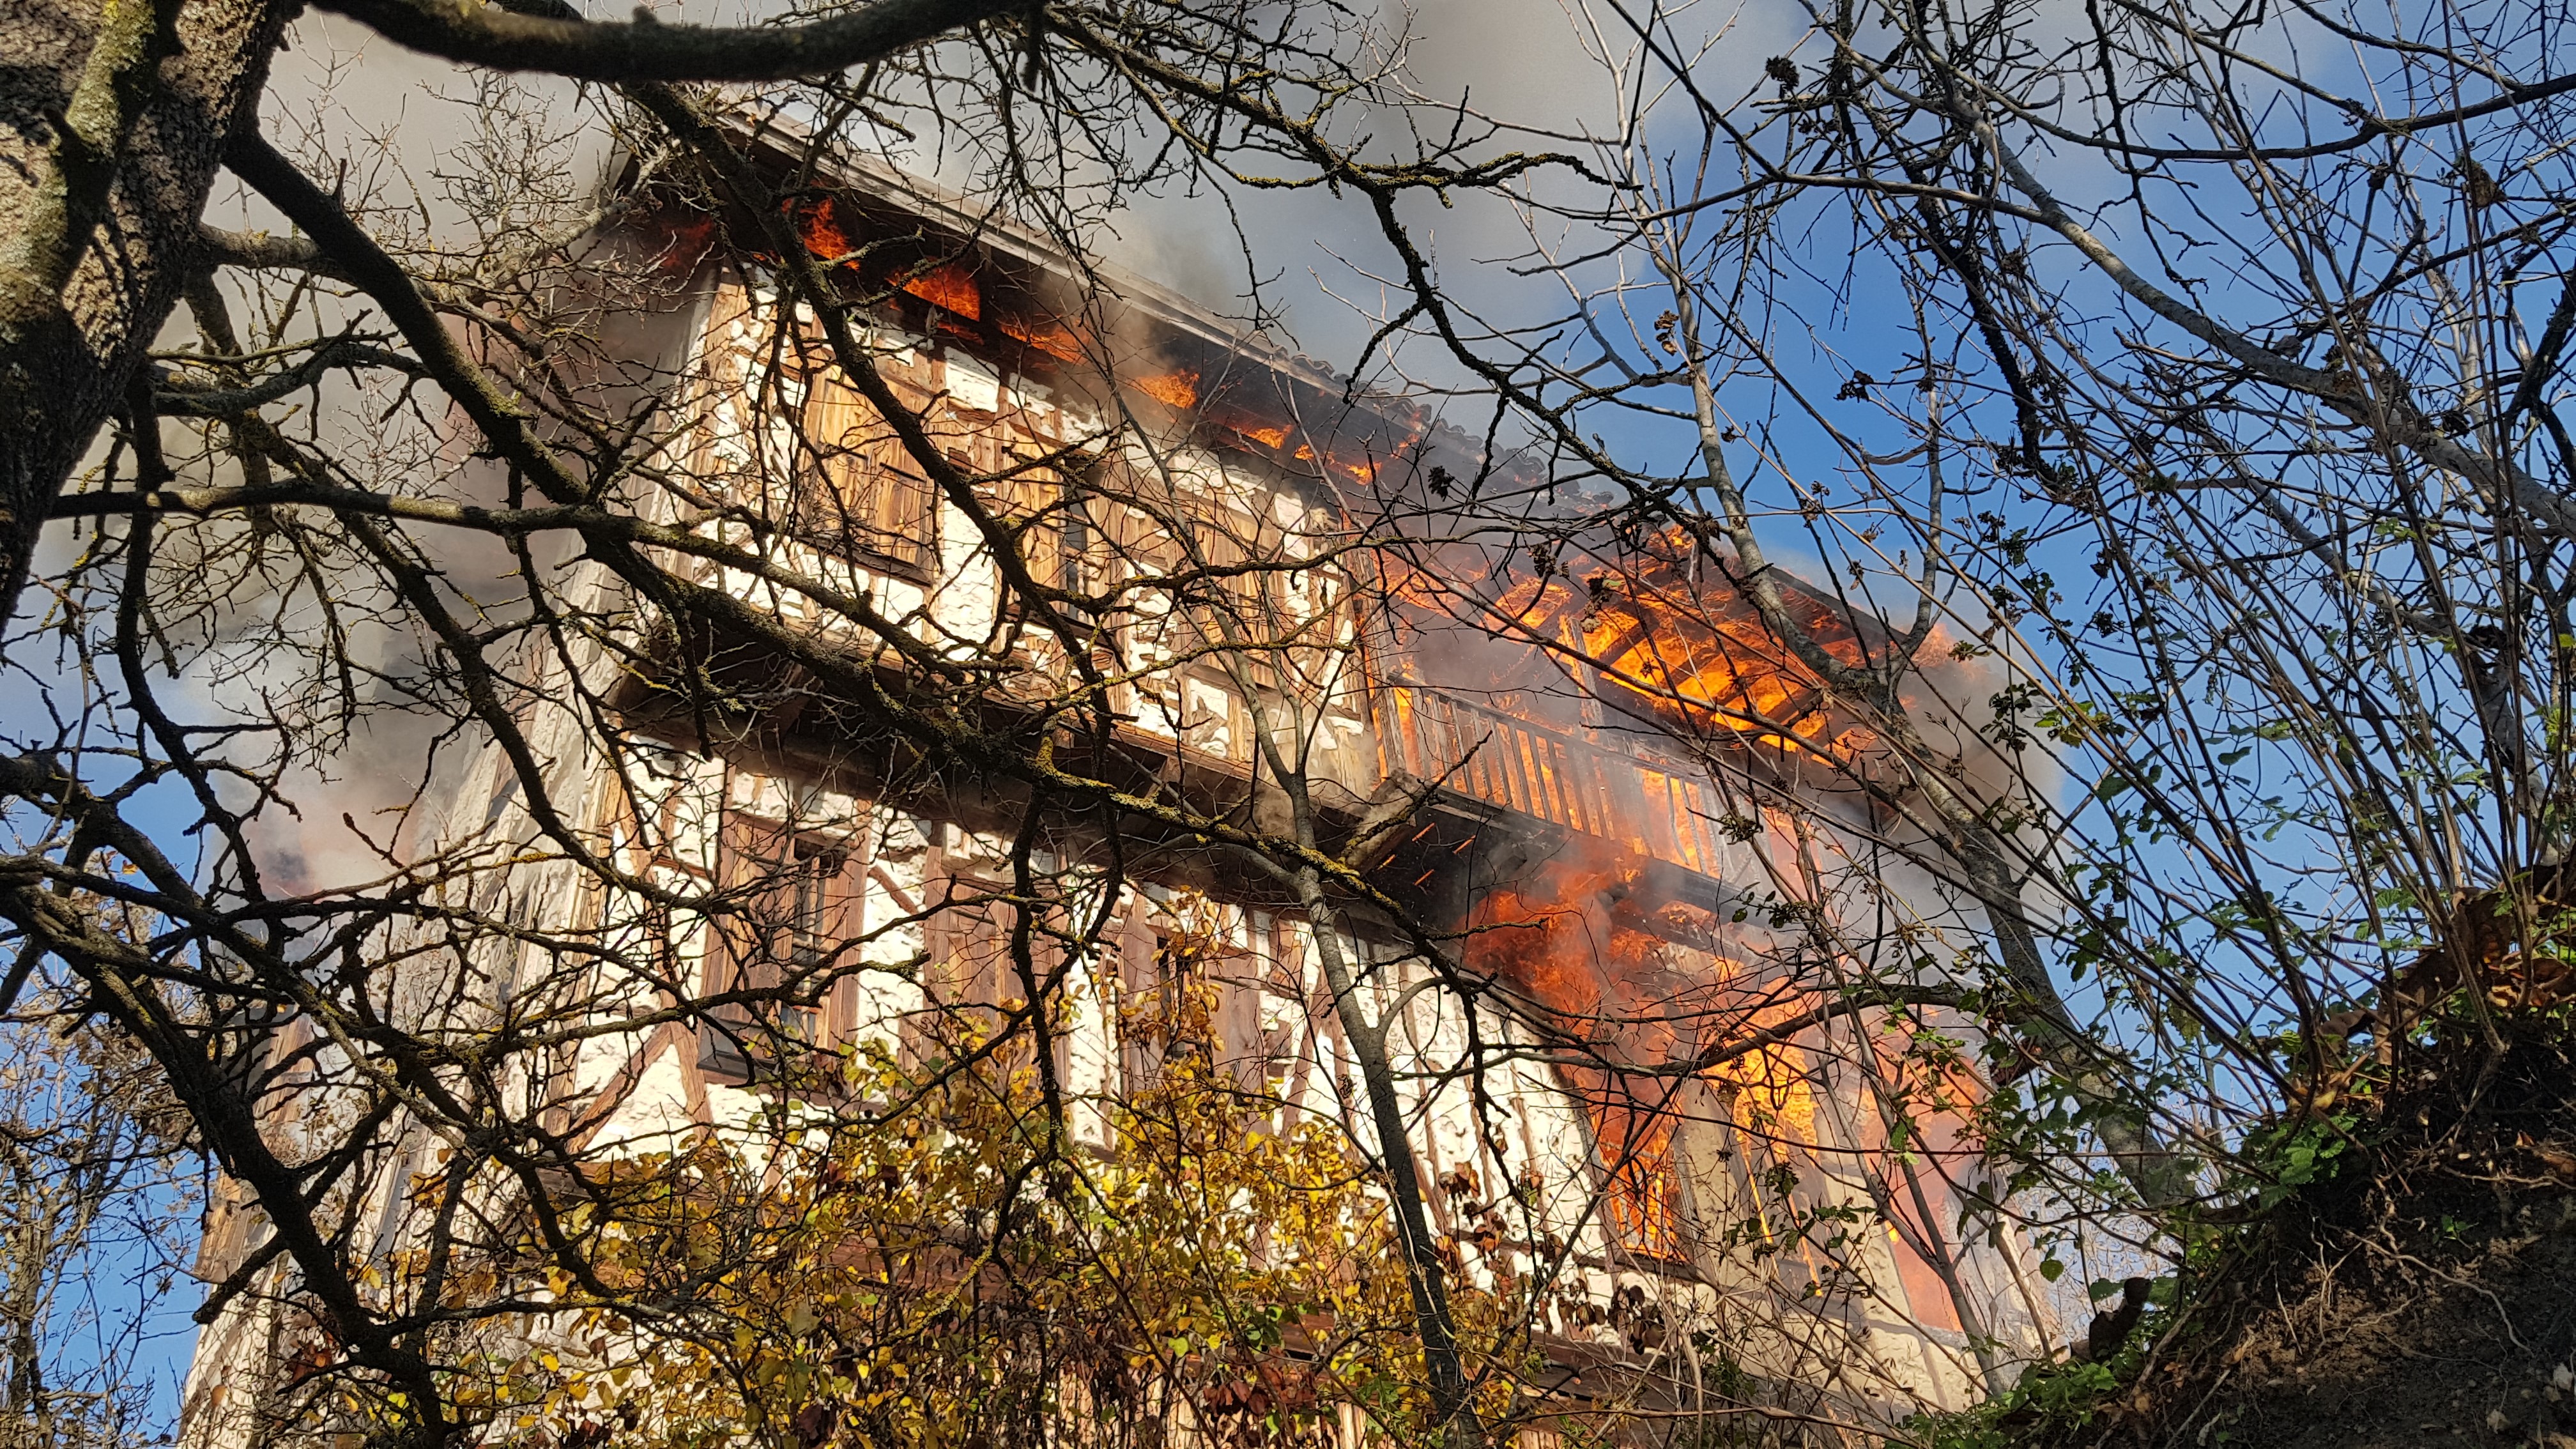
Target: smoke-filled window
(1642,1199)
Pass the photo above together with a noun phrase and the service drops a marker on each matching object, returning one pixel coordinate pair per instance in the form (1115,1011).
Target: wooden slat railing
(1552,775)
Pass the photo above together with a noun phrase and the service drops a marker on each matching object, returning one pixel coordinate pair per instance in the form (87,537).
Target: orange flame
(818,225)
(949,286)
(1362,472)
(1695,653)
(1635,1000)
(1557,937)
(1645,1193)
(684,243)
(1581,938)
(1177,389)
(1045,334)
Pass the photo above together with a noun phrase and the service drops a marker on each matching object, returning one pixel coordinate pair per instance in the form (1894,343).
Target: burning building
(1116,606)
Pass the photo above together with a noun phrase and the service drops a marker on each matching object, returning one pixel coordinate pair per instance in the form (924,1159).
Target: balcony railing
(1662,808)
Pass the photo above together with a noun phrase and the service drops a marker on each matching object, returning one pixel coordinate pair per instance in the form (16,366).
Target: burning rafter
(1663,635)
(1005,296)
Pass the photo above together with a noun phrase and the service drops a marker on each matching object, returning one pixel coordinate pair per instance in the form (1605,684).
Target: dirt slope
(2424,1294)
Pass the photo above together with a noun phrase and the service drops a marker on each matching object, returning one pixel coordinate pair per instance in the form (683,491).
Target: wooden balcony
(1666,809)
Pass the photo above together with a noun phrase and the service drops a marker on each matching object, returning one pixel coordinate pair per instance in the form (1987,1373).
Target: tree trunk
(1434,1324)
(113,121)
